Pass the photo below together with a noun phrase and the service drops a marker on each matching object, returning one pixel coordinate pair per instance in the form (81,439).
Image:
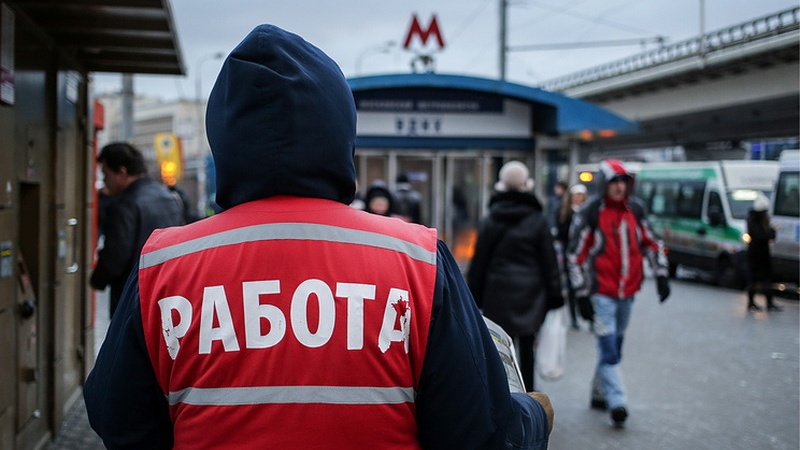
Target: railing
(747,32)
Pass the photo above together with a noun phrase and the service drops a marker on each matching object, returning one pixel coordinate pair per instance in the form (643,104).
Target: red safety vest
(289,323)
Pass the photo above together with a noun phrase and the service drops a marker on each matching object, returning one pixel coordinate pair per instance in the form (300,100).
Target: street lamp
(198,79)
(199,129)
(382,48)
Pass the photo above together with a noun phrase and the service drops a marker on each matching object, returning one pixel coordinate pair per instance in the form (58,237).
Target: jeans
(610,321)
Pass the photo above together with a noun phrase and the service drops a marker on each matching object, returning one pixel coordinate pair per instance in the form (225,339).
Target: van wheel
(727,275)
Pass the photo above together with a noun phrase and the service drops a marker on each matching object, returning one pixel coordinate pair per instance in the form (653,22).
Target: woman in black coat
(514,274)
(759,259)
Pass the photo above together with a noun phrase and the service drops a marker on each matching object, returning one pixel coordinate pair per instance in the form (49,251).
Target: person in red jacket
(290,320)
(608,240)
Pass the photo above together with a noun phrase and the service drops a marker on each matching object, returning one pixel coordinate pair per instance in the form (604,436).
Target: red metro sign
(423,33)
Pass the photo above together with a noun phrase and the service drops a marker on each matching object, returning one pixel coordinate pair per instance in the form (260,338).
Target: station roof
(572,116)
(125,36)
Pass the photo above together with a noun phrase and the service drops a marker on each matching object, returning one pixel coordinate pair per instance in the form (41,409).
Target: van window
(741,201)
(787,195)
(664,201)
(715,205)
(645,193)
(690,201)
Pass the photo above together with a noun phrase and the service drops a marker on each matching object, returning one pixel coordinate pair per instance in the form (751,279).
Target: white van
(700,210)
(785,212)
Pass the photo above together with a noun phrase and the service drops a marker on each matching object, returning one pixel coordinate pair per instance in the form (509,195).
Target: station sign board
(428,112)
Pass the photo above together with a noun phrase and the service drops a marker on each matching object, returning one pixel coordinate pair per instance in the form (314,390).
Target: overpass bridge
(737,84)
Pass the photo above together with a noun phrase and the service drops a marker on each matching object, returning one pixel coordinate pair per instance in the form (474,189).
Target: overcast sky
(358,34)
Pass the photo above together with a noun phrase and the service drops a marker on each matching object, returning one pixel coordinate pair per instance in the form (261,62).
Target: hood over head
(281,120)
(613,169)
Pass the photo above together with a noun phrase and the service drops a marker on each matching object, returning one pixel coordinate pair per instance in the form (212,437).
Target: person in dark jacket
(281,123)
(514,274)
(138,206)
(379,199)
(408,201)
(608,241)
(759,259)
(570,204)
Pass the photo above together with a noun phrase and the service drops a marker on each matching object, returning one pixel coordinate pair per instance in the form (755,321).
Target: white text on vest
(215,304)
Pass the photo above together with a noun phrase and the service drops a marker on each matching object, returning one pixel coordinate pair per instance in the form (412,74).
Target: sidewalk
(76,434)
(702,371)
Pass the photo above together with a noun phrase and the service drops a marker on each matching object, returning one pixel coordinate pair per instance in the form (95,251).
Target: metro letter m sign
(417,30)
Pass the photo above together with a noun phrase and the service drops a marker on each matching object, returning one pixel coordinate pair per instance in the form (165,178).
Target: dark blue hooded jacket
(281,121)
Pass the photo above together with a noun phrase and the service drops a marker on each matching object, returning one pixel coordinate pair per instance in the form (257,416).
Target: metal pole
(199,130)
(702,28)
(127,107)
(502,49)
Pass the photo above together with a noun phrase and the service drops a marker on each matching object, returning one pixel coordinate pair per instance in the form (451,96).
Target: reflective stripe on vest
(263,395)
(304,231)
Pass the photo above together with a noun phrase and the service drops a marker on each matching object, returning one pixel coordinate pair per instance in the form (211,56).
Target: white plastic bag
(551,347)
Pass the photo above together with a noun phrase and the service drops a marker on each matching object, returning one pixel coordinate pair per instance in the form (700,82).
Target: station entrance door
(455,187)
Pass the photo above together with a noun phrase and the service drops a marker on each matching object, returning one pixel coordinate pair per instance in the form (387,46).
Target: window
(665,194)
(690,200)
(715,211)
(644,192)
(787,195)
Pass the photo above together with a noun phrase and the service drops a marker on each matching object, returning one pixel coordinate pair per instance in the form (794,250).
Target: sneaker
(618,416)
(753,307)
(774,308)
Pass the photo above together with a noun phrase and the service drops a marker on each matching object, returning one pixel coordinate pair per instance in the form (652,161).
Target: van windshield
(787,200)
(741,201)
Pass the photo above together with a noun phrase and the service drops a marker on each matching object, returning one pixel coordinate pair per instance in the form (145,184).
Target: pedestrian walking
(305,323)
(759,258)
(609,239)
(137,205)
(514,274)
(554,202)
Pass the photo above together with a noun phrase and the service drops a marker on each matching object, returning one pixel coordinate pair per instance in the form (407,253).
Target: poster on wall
(6,55)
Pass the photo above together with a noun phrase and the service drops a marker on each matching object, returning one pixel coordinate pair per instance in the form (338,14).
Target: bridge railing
(760,28)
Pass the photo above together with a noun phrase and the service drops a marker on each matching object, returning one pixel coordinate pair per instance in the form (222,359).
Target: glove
(585,308)
(662,284)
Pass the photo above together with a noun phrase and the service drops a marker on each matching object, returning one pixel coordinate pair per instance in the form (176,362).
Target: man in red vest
(291,320)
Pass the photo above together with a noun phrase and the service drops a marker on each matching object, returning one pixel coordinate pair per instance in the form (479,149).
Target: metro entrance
(455,186)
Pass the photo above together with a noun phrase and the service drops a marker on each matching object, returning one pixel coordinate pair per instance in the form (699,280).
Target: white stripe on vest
(283,231)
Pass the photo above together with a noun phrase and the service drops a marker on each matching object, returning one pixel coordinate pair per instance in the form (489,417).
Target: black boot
(771,306)
(751,305)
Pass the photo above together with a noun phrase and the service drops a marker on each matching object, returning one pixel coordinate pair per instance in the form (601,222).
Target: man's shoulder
(147,188)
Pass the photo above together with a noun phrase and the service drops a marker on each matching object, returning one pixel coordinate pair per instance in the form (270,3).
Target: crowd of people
(591,252)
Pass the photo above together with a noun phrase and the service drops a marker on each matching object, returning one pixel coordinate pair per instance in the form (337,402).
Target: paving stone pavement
(76,434)
(704,374)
